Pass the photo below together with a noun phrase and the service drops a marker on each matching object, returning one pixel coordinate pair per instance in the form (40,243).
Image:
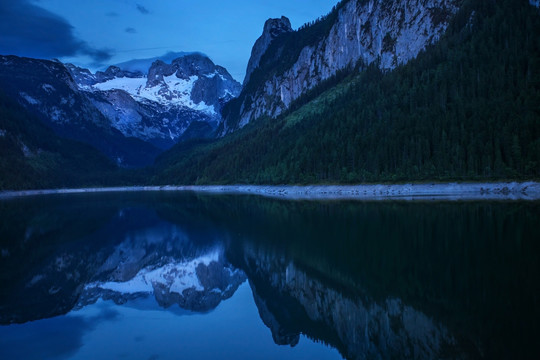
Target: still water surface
(186,276)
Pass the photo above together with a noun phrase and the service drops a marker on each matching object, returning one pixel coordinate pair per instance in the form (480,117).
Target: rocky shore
(430,191)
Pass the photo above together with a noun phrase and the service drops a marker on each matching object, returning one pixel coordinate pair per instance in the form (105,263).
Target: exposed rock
(115,72)
(47,89)
(272,29)
(390,32)
(135,108)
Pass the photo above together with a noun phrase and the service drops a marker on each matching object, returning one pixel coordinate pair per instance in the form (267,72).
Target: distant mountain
(127,114)
(162,103)
(142,65)
(382,91)
(47,89)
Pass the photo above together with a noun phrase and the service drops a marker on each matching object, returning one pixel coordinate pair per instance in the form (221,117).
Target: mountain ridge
(120,112)
(354,32)
(455,112)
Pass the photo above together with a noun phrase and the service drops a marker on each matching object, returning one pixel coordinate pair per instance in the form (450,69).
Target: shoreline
(436,191)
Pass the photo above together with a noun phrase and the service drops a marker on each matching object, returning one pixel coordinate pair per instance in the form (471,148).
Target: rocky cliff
(356,32)
(272,29)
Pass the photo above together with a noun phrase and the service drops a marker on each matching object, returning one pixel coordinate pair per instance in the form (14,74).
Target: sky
(98,33)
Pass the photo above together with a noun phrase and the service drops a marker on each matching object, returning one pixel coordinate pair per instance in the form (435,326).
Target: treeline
(466,108)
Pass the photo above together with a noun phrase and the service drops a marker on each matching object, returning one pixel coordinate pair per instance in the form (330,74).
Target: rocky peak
(272,29)
(160,103)
(183,67)
(113,72)
(211,83)
(157,71)
(193,65)
(83,77)
(390,33)
(276,27)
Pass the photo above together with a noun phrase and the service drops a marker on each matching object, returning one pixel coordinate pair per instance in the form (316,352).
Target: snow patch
(173,91)
(48,88)
(132,86)
(29,99)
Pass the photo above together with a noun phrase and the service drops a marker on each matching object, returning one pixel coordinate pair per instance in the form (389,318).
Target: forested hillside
(467,108)
(32,156)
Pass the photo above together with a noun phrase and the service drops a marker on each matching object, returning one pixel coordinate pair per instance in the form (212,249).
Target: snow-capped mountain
(128,114)
(47,89)
(160,104)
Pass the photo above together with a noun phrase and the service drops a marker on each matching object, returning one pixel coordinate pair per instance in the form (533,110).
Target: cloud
(29,30)
(131,30)
(142,9)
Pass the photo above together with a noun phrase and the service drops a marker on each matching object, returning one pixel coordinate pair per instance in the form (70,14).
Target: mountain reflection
(373,280)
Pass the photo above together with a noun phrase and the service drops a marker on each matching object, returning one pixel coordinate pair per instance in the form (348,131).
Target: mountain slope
(47,89)
(356,32)
(130,116)
(32,156)
(466,108)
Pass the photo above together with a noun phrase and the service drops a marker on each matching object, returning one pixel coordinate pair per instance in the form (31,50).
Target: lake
(192,276)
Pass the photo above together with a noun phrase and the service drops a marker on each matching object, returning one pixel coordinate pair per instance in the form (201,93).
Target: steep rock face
(208,83)
(272,29)
(391,32)
(146,120)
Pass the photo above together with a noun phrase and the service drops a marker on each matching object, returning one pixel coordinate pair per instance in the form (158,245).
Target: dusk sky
(101,32)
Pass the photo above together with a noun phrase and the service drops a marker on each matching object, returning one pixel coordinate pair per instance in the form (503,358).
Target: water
(185,276)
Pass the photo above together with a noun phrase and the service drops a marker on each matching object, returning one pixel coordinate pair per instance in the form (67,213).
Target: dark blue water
(183,276)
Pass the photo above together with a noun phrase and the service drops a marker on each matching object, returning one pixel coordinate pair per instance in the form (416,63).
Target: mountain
(33,156)
(47,89)
(464,106)
(130,116)
(284,64)
(160,104)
